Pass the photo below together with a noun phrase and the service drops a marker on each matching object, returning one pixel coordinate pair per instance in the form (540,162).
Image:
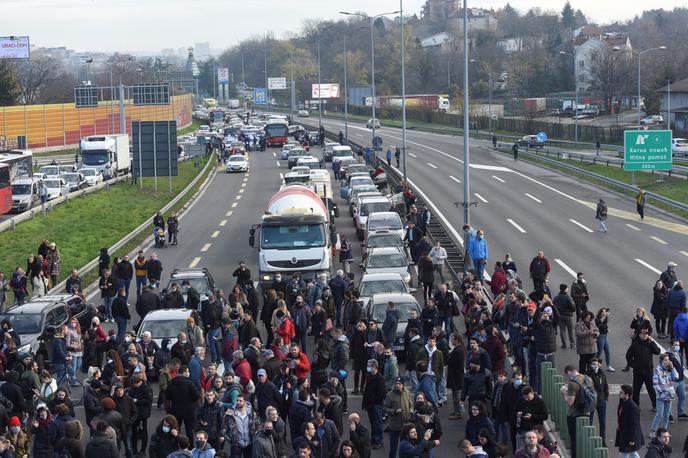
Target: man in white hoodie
(470,450)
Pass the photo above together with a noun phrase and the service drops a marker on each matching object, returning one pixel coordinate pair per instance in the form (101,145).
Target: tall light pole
(346,99)
(243,80)
(319,82)
(267,91)
(575,86)
(466,131)
(372,51)
(403,90)
(639,54)
(88,62)
(292,85)
(489,107)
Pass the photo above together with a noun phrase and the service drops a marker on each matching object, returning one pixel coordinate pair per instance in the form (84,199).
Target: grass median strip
(83,225)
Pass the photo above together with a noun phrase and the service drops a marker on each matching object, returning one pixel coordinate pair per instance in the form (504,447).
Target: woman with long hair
(359,354)
(602,322)
(477,421)
(75,347)
(320,364)
(660,308)
(113,371)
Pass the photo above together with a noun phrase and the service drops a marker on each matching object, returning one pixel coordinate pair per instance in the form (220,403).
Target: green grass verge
(191,128)
(670,187)
(85,224)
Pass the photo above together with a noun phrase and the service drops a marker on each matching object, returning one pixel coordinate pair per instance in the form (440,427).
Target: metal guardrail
(48,206)
(143,226)
(57,158)
(673,204)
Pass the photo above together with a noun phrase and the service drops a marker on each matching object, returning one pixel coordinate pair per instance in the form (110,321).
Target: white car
(386,282)
(308,161)
(49,171)
(387,260)
(166,324)
(57,187)
(237,163)
(679,145)
(373,122)
(285,150)
(652,119)
(92,176)
(389,221)
(303,114)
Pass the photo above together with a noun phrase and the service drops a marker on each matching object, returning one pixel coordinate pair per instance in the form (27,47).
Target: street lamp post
(292,85)
(489,107)
(575,86)
(466,151)
(319,89)
(267,90)
(403,90)
(372,52)
(346,100)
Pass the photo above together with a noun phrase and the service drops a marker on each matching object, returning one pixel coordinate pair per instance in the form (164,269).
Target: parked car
(57,187)
(75,181)
(385,220)
(199,278)
(49,171)
(295,154)
(284,154)
(387,260)
(366,206)
(25,193)
(373,122)
(530,141)
(327,151)
(388,282)
(303,114)
(680,146)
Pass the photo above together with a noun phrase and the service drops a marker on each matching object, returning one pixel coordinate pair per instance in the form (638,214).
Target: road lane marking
(498,179)
(278,163)
(223,222)
(234,205)
(243,185)
(633,227)
(206,247)
(431,165)
(534,198)
(238,197)
(229,213)
(480,197)
(195,262)
(281,176)
(412,155)
(684,253)
(274,154)
(643,263)
(241,190)
(563,265)
(245,179)
(580,225)
(513,223)
(658,240)
(215,235)
(455,179)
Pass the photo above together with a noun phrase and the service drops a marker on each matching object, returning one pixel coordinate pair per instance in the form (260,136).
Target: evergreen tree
(568,16)
(8,85)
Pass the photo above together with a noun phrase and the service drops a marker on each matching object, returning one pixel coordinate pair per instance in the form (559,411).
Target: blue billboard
(260,96)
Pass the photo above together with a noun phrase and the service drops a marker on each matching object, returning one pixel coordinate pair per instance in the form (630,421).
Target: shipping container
(356,95)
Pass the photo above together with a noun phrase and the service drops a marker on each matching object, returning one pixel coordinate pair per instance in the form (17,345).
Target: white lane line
(223,223)
(684,253)
(431,165)
(480,197)
(274,154)
(563,265)
(281,176)
(455,179)
(278,163)
(234,205)
(206,247)
(498,179)
(412,155)
(195,262)
(515,224)
(580,225)
(241,190)
(238,197)
(534,198)
(243,185)
(215,235)
(643,263)
(633,227)
(658,240)
(245,179)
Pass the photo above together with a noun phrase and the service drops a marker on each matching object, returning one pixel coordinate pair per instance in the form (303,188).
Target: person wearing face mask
(639,356)
(202,448)
(163,442)
(264,445)
(18,439)
(512,392)
(663,380)
(477,250)
(279,284)
(44,432)
(599,379)
(182,349)
(373,399)
(680,386)
(182,397)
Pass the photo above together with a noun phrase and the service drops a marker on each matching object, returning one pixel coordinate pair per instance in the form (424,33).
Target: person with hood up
(676,300)
(12,391)
(391,323)
(427,383)
(71,442)
(44,432)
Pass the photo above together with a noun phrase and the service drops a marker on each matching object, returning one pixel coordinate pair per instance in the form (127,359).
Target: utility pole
(267,91)
(372,58)
(466,152)
(346,100)
(403,90)
(292,85)
(319,82)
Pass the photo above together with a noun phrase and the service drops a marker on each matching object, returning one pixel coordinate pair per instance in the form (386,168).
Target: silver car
(372,284)
(387,260)
(376,309)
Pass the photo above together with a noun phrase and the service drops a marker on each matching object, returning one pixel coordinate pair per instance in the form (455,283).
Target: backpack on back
(586,400)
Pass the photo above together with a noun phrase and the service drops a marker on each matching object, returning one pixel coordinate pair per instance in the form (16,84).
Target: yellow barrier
(61,125)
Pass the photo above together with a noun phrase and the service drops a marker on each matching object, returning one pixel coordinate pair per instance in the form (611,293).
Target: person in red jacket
(242,368)
(532,449)
(298,362)
(285,328)
(498,282)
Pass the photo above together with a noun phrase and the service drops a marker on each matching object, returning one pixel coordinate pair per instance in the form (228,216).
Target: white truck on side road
(107,153)
(295,235)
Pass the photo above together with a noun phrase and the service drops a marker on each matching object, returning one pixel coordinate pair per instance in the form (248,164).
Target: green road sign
(647,150)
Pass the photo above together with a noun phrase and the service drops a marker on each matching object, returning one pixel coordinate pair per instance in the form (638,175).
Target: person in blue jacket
(413,447)
(477,249)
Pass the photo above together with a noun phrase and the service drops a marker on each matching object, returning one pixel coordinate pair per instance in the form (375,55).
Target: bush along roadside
(83,226)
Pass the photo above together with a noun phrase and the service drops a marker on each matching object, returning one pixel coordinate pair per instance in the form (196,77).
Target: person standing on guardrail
(640,200)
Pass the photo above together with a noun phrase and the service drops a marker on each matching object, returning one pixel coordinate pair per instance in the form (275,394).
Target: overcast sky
(151,25)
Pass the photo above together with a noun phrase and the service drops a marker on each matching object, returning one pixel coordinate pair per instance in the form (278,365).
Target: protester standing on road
(629,436)
(515,150)
(107,293)
(660,308)
(572,392)
(659,446)
(172,229)
(639,357)
(54,261)
(579,294)
(601,215)
(680,386)
(438,255)
(397,155)
(602,322)
(182,397)
(141,271)
(477,250)
(566,309)
(346,256)
(154,271)
(663,380)
(586,340)
(539,270)
(640,200)
(373,399)
(599,379)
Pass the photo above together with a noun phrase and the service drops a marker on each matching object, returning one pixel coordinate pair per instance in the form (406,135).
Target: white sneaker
(611,369)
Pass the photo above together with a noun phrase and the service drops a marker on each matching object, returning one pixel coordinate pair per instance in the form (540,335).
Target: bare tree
(608,73)
(33,75)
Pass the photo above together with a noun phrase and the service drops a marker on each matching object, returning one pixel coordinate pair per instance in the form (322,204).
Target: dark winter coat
(474,425)
(412,349)
(147,302)
(154,270)
(390,325)
(359,353)
(211,415)
(340,355)
(144,399)
(629,430)
(161,444)
(267,394)
(639,356)
(477,385)
(183,396)
(536,408)
(375,391)
(361,440)
(44,439)
(656,450)
(102,447)
(127,408)
(455,364)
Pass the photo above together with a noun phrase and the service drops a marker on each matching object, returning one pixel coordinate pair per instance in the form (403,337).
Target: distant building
(202,50)
(589,40)
(437,40)
(678,93)
(439,10)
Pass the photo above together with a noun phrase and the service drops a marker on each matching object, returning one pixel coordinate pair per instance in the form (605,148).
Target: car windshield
(161,329)
(390,221)
(200,284)
(70,178)
(681,141)
(296,236)
(52,183)
(365,188)
(297,152)
(379,311)
(373,207)
(51,170)
(21,189)
(236,159)
(96,157)
(341,153)
(387,260)
(368,288)
(24,323)
(384,240)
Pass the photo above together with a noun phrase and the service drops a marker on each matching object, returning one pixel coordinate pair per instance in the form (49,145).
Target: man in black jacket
(510,396)
(12,391)
(659,446)
(545,338)
(248,330)
(126,406)
(579,294)
(142,394)
(193,297)
(629,436)
(373,398)
(125,273)
(414,345)
(530,411)
(477,383)
(147,302)
(267,393)
(599,379)
(212,323)
(172,229)
(154,271)
(120,312)
(565,308)
(359,435)
(183,397)
(100,445)
(639,357)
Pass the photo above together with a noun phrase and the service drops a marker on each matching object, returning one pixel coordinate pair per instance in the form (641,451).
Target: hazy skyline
(152,25)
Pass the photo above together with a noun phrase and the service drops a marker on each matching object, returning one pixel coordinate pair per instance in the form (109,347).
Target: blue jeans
(125,284)
(140,283)
(449,325)
(680,388)
(661,419)
(602,416)
(213,339)
(603,344)
(393,443)
(479,267)
(377,425)
(439,268)
(107,301)
(501,425)
(74,368)
(121,328)
(442,389)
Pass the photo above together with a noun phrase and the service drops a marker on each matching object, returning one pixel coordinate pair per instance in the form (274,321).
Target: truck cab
(107,153)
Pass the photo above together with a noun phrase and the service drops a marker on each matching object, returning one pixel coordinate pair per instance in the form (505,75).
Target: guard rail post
(561,410)
(601,452)
(588,435)
(546,384)
(581,439)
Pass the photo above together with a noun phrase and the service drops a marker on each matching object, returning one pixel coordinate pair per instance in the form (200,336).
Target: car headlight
(24,349)
(407,277)
(266,277)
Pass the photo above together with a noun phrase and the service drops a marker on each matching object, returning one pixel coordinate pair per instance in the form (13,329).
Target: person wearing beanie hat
(111,417)
(397,406)
(44,432)
(18,438)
